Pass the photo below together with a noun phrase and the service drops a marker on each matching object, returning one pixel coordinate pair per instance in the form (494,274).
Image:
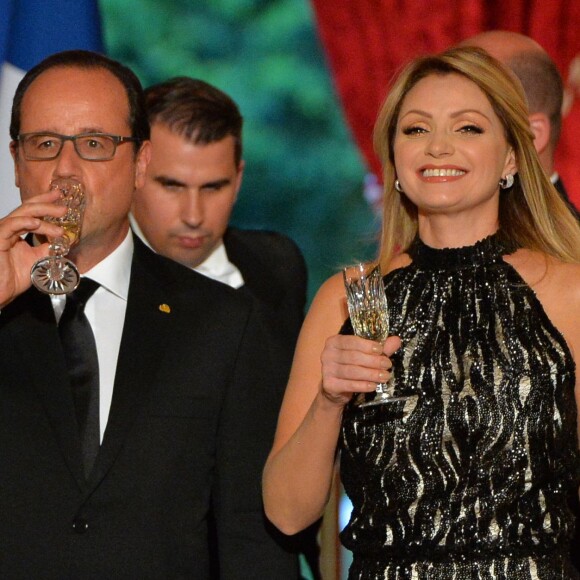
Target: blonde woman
(468,478)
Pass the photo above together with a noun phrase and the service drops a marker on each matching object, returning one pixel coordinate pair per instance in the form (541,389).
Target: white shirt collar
(216,266)
(114,272)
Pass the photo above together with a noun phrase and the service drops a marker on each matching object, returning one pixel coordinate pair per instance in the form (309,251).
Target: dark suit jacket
(275,274)
(559,185)
(189,428)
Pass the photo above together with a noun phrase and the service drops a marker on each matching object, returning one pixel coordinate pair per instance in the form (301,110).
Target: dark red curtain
(367,41)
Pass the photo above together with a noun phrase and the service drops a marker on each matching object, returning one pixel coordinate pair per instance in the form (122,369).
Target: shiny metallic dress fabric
(467,479)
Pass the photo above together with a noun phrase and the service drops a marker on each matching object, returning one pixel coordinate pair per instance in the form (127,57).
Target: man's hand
(16,255)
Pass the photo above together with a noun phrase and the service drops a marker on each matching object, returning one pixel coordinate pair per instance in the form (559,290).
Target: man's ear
(141,162)
(14,153)
(540,124)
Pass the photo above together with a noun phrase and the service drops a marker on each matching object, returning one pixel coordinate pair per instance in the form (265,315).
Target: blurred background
(304,177)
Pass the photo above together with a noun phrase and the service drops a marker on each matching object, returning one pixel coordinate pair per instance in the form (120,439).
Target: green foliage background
(303,174)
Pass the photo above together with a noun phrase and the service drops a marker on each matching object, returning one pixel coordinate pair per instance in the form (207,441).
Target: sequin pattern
(468,478)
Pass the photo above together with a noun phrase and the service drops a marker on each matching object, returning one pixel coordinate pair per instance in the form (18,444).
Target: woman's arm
(327,369)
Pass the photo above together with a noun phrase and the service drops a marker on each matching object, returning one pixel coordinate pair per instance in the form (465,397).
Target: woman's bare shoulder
(328,307)
(330,293)
(557,287)
(541,271)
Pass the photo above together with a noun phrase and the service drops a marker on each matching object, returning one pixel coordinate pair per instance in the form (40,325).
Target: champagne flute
(56,274)
(367,307)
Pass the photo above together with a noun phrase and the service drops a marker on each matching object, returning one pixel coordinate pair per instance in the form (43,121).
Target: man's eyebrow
(217,182)
(165,180)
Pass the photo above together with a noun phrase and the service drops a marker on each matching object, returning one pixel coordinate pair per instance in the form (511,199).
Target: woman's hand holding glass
(369,316)
(352,365)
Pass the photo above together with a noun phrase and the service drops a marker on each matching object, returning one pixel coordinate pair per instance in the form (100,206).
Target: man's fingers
(13,227)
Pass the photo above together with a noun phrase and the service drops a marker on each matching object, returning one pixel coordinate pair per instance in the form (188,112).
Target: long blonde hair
(532,213)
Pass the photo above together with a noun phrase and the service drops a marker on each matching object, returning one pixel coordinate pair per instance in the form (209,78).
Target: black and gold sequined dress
(467,479)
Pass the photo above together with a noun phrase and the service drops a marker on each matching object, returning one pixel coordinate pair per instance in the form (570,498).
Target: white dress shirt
(216,266)
(105,311)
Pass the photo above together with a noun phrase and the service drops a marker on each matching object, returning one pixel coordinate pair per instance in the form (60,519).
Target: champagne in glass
(56,274)
(367,307)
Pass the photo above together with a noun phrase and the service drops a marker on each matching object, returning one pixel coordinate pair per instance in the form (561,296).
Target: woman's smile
(434,174)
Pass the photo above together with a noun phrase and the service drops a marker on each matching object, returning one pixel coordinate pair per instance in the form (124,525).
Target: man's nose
(68,162)
(192,211)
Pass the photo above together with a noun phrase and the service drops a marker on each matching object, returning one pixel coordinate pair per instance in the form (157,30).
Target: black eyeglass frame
(117,140)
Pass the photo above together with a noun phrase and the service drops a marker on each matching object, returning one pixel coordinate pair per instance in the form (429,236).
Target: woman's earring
(506,182)
(398,186)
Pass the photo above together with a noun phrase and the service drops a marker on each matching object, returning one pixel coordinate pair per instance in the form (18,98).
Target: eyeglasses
(89,146)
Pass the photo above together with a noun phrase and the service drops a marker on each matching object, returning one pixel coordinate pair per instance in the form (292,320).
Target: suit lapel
(37,339)
(145,331)
(559,185)
(256,279)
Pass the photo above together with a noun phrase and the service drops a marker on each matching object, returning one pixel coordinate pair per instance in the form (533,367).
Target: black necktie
(80,353)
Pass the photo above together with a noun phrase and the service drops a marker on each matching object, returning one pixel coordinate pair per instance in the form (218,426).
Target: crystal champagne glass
(56,274)
(367,307)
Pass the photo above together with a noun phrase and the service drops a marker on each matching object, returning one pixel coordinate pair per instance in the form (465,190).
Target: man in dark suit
(544,89)
(185,415)
(183,210)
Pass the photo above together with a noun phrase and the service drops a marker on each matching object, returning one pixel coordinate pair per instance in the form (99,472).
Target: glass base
(55,275)
(382,399)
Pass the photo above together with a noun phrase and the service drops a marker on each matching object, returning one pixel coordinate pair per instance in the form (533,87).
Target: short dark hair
(85,59)
(196,110)
(543,86)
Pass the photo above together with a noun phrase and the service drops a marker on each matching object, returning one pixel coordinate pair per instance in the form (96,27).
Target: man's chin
(188,258)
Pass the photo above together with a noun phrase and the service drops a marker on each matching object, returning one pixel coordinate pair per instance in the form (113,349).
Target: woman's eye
(471,129)
(413,130)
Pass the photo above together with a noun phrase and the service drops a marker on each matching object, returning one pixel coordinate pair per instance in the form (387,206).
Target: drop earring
(506,182)
(398,186)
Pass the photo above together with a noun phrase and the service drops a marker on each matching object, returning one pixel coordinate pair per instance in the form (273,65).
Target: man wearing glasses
(180,425)
(89,146)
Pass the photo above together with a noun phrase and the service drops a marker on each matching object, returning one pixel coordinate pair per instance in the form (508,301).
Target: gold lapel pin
(165,308)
